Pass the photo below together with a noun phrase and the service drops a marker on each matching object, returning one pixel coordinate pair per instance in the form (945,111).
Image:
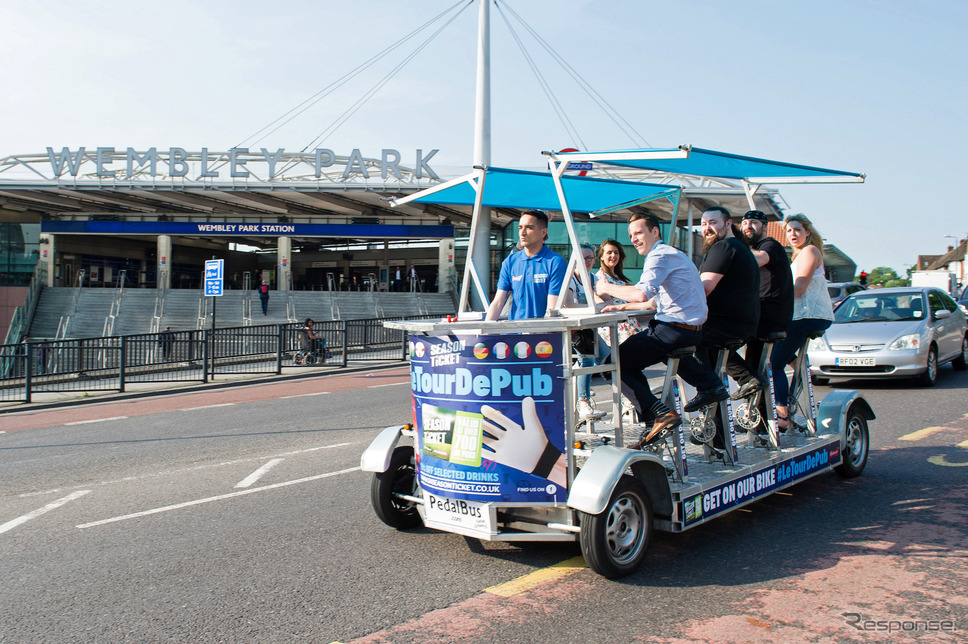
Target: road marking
(196,468)
(389,384)
(220,497)
(208,407)
(53,505)
(315,393)
(941,460)
(538,577)
(95,420)
(255,476)
(921,433)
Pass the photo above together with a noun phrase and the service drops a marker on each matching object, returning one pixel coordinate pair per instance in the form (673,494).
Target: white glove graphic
(522,448)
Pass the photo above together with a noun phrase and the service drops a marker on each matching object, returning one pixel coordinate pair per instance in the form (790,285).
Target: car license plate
(458,512)
(855,362)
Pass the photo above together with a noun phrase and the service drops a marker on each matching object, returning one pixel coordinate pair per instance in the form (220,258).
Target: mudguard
(832,411)
(593,485)
(376,457)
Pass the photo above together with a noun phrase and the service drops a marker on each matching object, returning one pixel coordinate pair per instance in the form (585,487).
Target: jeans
(784,351)
(585,379)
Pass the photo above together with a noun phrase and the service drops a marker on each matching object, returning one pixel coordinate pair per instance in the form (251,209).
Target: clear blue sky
(875,87)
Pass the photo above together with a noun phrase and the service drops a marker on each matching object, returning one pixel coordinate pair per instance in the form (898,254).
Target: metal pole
(480,254)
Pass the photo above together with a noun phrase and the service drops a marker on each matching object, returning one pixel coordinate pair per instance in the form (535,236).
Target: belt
(687,327)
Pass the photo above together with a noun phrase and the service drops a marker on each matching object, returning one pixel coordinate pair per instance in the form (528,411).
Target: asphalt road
(240,515)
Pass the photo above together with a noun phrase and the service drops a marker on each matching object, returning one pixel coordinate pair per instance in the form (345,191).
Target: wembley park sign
(235,164)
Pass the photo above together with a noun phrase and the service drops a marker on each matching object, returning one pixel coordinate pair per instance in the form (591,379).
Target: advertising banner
(489,413)
(717,500)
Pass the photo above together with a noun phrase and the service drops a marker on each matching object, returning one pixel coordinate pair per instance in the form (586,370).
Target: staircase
(181,309)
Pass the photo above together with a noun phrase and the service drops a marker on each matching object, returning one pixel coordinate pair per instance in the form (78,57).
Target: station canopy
(687,160)
(525,190)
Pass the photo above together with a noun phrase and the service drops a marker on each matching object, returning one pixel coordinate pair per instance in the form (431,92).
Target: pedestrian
(42,357)
(165,340)
(264,297)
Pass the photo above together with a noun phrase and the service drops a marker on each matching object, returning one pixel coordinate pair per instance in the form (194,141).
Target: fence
(111,363)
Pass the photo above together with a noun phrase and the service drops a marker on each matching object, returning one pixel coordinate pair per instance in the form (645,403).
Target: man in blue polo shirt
(533,276)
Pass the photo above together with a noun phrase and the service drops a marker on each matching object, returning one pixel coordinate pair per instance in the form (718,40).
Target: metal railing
(115,305)
(112,363)
(65,322)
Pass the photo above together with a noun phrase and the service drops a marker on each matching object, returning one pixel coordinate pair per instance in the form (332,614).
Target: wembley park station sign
(235,164)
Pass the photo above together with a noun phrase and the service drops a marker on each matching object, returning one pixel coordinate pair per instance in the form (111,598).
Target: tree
(884,276)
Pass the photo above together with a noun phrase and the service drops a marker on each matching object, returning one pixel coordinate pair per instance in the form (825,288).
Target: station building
(316,220)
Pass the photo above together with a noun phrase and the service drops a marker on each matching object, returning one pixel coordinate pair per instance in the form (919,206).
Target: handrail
(159,311)
(247,299)
(115,305)
(290,302)
(65,322)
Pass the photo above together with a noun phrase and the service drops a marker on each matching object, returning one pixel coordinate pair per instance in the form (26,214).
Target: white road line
(196,468)
(315,393)
(220,497)
(389,384)
(208,407)
(53,505)
(255,476)
(95,420)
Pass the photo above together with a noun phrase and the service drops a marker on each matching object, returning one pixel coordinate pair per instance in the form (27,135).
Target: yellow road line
(538,577)
(921,433)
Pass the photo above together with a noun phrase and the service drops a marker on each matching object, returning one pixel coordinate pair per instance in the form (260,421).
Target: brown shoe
(663,425)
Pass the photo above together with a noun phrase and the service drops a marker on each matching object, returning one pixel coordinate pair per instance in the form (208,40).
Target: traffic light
(863,278)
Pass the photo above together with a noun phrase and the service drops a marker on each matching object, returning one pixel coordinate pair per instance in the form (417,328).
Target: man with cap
(776,301)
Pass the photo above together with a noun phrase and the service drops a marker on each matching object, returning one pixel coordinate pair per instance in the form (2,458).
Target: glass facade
(19,252)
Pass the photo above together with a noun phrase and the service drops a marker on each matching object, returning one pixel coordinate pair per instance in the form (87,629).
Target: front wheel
(614,542)
(856,445)
(386,488)
(930,375)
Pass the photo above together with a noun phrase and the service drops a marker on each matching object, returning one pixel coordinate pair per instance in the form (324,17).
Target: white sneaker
(585,409)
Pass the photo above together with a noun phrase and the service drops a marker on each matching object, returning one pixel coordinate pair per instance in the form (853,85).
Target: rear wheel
(961,362)
(386,488)
(856,445)
(614,542)
(930,375)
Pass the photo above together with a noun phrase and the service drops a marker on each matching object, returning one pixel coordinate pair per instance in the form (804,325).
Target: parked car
(963,300)
(840,290)
(891,333)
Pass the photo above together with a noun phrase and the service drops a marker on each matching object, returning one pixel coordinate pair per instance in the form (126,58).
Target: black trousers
(645,349)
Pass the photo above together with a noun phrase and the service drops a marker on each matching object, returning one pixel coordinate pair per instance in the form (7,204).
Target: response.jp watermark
(858,621)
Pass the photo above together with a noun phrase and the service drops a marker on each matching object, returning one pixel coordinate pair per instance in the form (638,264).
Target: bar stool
(669,396)
(748,414)
(704,425)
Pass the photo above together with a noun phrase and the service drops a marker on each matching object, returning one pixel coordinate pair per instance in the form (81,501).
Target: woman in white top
(812,311)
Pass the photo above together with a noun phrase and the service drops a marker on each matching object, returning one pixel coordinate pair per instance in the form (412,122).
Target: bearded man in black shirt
(731,279)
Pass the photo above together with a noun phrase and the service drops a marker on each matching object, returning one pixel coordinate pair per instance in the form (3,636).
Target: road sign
(213,276)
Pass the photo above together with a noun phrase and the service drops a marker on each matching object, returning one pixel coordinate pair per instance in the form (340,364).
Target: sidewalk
(54,399)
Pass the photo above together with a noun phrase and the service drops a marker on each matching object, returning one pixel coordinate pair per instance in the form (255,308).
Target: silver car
(892,333)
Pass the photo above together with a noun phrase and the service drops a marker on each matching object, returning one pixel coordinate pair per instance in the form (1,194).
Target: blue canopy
(523,189)
(709,163)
